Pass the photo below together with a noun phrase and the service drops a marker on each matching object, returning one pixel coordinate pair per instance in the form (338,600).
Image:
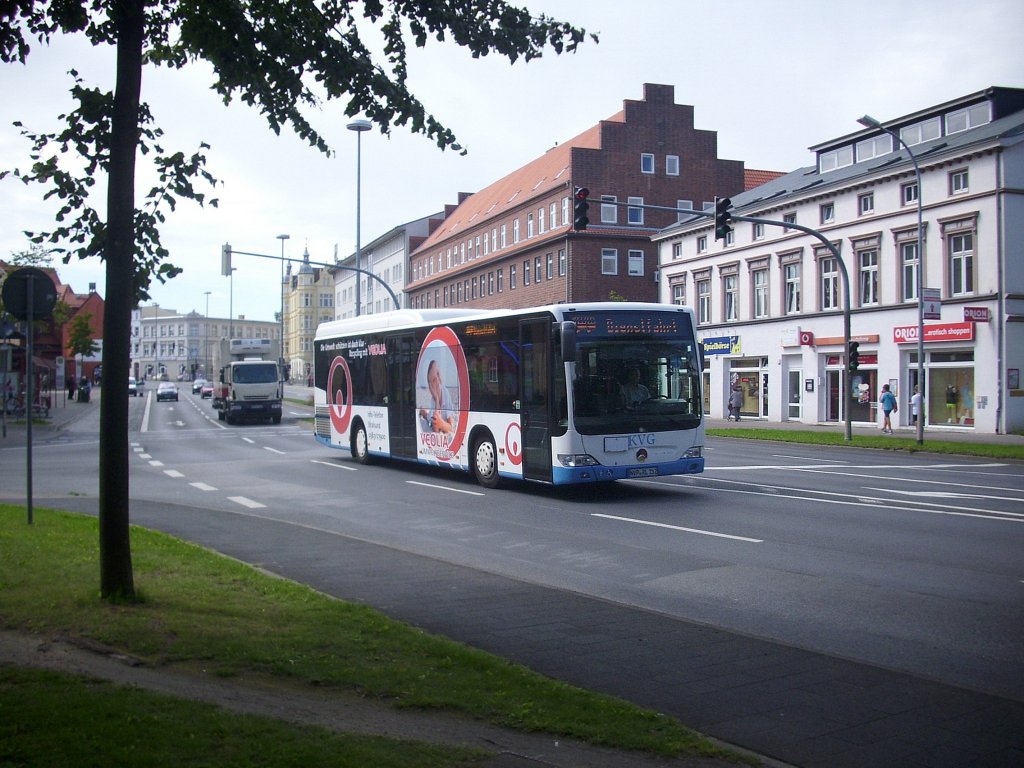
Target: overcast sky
(771,78)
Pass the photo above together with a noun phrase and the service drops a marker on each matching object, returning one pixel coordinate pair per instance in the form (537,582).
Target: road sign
(932,299)
(18,299)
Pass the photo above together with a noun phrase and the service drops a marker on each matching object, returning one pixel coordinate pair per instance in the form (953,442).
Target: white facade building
(388,258)
(769,300)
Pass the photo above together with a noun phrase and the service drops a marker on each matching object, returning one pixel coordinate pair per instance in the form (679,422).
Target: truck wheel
(230,419)
(360,448)
(485,462)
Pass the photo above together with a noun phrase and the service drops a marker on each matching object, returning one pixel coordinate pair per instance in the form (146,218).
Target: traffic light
(723,219)
(580,208)
(225,259)
(853,356)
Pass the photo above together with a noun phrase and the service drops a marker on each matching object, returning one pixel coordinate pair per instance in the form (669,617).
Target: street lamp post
(231,305)
(280,355)
(869,122)
(359,126)
(206,339)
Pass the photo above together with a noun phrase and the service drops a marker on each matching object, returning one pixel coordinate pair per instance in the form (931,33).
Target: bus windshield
(625,384)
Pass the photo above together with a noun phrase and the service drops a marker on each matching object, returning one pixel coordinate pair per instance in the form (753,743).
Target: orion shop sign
(906,334)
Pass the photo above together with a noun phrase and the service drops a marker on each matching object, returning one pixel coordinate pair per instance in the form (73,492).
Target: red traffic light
(582,193)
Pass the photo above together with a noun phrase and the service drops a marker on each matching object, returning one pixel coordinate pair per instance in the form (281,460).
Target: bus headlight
(694,453)
(577,460)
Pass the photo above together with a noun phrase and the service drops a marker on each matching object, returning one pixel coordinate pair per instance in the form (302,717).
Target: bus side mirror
(568,341)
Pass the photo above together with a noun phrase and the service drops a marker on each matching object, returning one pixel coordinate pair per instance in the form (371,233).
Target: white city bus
(559,394)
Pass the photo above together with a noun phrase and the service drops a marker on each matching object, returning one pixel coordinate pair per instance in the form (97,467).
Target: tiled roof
(538,177)
(754,178)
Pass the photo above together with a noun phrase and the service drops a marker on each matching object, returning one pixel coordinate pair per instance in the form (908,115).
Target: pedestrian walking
(735,402)
(916,401)
(888,402)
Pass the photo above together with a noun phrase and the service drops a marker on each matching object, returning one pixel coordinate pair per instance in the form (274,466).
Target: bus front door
(535,397)
(402,356)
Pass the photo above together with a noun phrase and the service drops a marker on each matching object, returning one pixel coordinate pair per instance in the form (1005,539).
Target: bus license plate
(643,472)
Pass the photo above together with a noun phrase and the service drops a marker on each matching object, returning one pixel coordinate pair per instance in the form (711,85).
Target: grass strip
(197,607)
(886,442)
(50,718)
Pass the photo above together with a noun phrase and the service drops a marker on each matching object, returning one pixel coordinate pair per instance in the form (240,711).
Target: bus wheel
(485,462)
(360,449)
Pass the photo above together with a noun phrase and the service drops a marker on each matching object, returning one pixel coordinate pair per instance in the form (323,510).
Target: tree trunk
(116,579)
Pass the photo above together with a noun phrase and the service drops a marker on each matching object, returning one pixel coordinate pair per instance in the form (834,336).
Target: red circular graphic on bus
(514,444)
(339,394)
(441,413)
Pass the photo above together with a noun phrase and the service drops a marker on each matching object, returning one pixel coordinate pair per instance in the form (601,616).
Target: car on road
(133,387)
(166,391)
(197,386)
(207,390)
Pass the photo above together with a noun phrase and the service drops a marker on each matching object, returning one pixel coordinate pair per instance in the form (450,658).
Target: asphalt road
(789,562)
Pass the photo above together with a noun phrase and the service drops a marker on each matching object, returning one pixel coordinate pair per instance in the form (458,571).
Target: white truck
(250,384)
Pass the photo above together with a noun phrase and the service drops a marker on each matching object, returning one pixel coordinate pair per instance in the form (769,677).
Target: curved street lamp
(869,122)
(359,126)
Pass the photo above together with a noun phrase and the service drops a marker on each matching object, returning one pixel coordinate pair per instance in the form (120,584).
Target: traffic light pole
(398,304)
(715,214)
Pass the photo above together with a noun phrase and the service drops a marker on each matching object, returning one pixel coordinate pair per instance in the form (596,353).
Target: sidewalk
(63,412)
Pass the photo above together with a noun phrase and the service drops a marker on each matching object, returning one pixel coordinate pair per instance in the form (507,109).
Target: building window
(677,251)
(565,211)
(758,231)
(636,262)
(908,193)
(561,262)
(526,272)
(515,231)
(788,218)
(867,262)
(827,213)
(504,236)
(760,280)
(530,232)
(609,213)
(829,283)
(961,264)
(865,203)
(536,269)
(704,301)
(679,293)
(958,182)
(553,215)
(908,270)
(646,163)
(671,165)
(924,131)
(540,221)
(791,274)
(609,261)
(971,117)
(876,146)
(512,277)
(636,215)
(837,158)
(683,205)
(702,244)
(501,280)
(550,266)
(730,288)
